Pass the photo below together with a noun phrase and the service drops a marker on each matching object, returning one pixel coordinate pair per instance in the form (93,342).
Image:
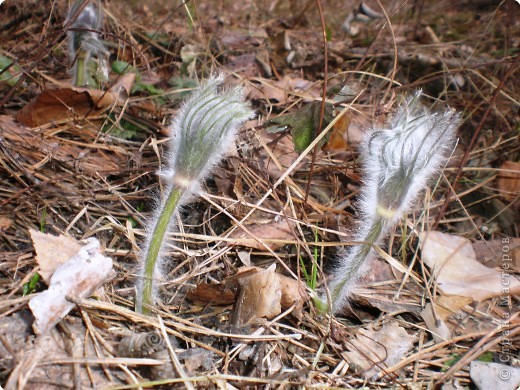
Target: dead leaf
(457,272)
(336,140)
(281,90)
(493,253)
(259,297)
(292,294)
(215,294)
(274,147)
(437,326)
(291,291)
(5,223)
(68,102)
(379,349)
(52,251)
(245,257)
(438,321)
(509,182)
(274,234)
(80,276)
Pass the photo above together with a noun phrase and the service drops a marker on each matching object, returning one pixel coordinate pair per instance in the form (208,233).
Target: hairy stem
(358,255)
(158,233)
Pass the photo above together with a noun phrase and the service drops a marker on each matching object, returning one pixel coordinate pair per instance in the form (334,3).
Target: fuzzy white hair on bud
(398,160)
(84,42)
(201,133)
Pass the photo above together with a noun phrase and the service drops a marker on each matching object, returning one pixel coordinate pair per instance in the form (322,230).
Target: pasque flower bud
(398,162)
(85,45)
(201,133)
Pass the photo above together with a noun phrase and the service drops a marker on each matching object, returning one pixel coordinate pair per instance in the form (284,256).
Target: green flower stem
(81,68)
(373,235)
(159,231)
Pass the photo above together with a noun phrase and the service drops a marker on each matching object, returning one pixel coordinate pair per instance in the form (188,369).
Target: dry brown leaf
(282,89)
(457,272)
(259,297)
(292,294)
(379,349)
(52,251)
(80,276)
(437,326)
(212,294)
(274,234)
(282,149)
(509,182)
(5,223)
(493,253)
(337,137)
(445,307)
(68,102)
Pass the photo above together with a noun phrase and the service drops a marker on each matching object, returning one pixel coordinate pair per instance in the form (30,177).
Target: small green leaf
(182,83)
(451,361)
(486,357)
(328,33)
(123,67)
(31,284)
(150,88)
(8,76)
(132,221)
(122,129)
(304,123)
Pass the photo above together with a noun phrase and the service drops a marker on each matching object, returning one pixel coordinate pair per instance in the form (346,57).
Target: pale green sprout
(201,133)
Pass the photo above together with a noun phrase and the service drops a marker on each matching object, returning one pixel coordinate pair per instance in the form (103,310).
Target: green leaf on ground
(303,124)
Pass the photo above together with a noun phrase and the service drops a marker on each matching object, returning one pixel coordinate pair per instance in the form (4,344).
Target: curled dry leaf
(281,149)
(80,276)
(375,350)
(259,297)
(457,272)
(68,102)
(293,293)
(5,223)
(215,294)
(274,234)
(263,293)
(52,251)
(281,90)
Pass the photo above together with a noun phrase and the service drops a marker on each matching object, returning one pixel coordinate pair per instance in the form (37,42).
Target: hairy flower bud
(398,161)
(201,134)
